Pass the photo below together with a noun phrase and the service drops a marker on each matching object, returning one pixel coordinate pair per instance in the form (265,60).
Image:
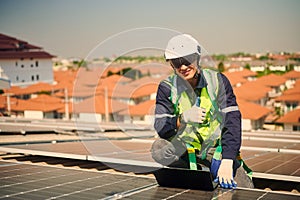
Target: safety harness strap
(192,156)
(243,164)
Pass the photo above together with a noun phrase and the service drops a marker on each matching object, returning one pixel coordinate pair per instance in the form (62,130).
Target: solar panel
(26,181)
(30,181)
(138,151)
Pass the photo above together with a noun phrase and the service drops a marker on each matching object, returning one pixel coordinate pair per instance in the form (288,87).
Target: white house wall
(33,114)
(90,117)
(145,120)
(27,71)
(288,127)
(246,125)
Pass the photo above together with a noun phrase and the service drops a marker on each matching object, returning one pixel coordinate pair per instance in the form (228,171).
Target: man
(196,110)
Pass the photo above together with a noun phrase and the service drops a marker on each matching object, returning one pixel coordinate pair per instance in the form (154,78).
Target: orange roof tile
(117,79)
(32,89)
(63,108)
(293,97)
(142,109)
(96,104)
(251,91)
(144,90)
(246,73)
(43,98)
(235,78)
(22,105)
(290,117)
(63,76)
(271,80)
(3,101)
(292,74)
(252,111)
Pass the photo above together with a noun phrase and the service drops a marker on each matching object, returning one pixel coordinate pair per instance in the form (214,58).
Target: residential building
(291,78)
(142,113)
(289,100)
(253,92)
(253,115)
(97,109)
(290,121)
(23,63)
(41,107)
(238,78)
(276,82)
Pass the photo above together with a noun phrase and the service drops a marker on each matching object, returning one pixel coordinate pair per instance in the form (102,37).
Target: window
(37,77)
(31,65)
(296,128)
(17,78)
(32,78)
(36,63)
(16,64)
(22,66)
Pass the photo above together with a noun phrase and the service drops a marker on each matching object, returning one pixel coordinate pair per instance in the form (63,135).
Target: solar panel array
(130,151)
(27,181)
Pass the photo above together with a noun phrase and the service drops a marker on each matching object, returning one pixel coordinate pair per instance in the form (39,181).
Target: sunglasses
(186,60)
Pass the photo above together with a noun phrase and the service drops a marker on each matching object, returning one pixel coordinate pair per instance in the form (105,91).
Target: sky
(74,28)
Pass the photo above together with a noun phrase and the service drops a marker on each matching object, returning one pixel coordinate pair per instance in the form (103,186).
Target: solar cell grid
(43,182)
(132,150)
(49,182)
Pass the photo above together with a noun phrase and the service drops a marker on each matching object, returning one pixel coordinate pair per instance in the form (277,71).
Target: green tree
(221,67)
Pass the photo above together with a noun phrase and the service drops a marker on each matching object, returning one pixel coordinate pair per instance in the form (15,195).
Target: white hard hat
(182,45)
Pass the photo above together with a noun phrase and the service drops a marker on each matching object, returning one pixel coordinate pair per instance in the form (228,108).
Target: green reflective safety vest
(205,135)
(208,134)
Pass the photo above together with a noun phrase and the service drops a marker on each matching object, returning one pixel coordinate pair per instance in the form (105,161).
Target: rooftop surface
(36,163)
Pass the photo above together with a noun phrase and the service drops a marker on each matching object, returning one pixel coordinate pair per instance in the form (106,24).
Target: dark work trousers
(162,150)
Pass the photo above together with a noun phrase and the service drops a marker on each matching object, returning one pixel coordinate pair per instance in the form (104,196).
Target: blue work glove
(222,173)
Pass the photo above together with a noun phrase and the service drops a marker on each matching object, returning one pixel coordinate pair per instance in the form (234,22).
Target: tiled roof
(96,104)
(11,43)
(63,108)
(252,111)
(28,54)
(235,78)
(87,77)
(246,73)
(290,117)
(3,101)
(65,76)
(23,105)
(144,90)
(251,91)
(292,74)
(12,48)
(32,89)
(289,97)
(142,109)
(271,80)
(117,79)
(43,98)
(292,94)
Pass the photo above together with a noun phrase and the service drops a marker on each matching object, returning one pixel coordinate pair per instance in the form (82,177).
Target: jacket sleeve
(231,132)
(165,119)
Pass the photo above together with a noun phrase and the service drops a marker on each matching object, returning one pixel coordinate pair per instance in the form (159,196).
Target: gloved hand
(225,174)
(194,114)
